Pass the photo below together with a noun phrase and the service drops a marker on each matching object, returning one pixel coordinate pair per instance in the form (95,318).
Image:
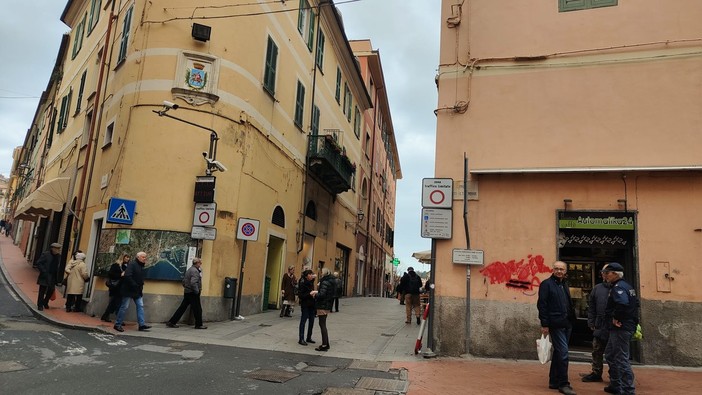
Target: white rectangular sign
(468,257)
(437,192)
(436,223)
(202,233)
(204,214)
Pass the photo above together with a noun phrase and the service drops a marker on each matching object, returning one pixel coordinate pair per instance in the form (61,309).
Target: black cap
(613,267)
(410,269)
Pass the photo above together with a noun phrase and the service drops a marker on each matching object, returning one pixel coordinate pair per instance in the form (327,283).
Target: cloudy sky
(406,32)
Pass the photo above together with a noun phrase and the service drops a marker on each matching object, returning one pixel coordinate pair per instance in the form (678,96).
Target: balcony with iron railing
(328,161)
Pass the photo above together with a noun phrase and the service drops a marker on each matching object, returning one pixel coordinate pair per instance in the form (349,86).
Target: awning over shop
(423,256)
(50,196)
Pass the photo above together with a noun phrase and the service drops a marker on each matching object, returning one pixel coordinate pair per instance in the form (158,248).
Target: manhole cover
(320,369)
(372,383)
(274,376)
(370,365)
(11,366)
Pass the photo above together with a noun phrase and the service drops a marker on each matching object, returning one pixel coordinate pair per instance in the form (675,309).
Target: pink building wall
(596,106)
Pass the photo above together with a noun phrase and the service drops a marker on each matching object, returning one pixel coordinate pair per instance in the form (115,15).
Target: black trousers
(73,302)
(336,304)
(112,306)
(192,300)
(323,329)
(45,292)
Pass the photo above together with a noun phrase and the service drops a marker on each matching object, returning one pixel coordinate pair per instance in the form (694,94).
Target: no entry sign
(204,214)
(437,192)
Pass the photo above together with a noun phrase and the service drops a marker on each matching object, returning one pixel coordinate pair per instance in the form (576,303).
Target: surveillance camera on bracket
(169,105)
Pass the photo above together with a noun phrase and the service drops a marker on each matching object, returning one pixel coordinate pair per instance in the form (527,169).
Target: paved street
(368,333)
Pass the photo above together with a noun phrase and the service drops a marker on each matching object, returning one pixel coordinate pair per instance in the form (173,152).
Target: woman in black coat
(324,301)
(114,280)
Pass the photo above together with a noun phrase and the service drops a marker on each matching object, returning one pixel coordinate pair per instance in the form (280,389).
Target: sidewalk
(370,329)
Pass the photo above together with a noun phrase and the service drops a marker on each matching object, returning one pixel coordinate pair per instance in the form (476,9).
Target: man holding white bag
(556,315)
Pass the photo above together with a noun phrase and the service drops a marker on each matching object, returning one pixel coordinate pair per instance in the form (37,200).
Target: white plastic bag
(544,348)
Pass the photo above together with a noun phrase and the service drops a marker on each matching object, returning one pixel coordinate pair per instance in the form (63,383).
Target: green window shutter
(301,16)
(80,91)
(357,122)
(62,114)
(575,5)
(126,27)
(315,121)
(299,104)
(270,70)
(338,85)
(320,49)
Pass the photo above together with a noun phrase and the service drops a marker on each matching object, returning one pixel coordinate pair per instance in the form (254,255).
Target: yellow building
(264,99)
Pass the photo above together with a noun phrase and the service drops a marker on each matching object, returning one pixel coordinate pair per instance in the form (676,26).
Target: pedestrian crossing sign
(121,211)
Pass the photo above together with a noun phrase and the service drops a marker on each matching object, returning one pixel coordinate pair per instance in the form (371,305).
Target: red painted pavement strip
(449,376)
(23,279)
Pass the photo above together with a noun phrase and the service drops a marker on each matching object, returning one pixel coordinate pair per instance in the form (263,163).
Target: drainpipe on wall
(81,201)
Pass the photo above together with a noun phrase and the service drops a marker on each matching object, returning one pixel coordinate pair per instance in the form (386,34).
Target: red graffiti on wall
(517,274)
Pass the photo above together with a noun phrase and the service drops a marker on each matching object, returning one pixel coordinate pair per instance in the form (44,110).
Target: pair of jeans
(139,302)
(621,377)
(558,374)
(307,316)
(189,299)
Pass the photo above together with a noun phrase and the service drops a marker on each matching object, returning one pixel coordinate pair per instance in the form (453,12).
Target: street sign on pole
(203,233)
(437,223)
(247,229)
(437,192)
(468,257)
(204,214)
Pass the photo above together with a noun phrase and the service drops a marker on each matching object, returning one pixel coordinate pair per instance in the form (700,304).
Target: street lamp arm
(213,134)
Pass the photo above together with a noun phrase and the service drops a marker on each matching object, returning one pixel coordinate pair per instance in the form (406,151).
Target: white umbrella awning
(50,196)
(423,256)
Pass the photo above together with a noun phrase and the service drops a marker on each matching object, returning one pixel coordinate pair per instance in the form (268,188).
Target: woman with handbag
(113,282)
(76,276)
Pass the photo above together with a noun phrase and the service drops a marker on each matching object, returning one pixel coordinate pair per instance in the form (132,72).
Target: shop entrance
(587,240)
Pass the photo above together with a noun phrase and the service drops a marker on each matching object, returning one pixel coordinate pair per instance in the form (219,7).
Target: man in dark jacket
(192,288)
(306,294)
(339,291)
(555,314)
(622,316)
(411,284)
(48,265)
(596,306)
(132,288)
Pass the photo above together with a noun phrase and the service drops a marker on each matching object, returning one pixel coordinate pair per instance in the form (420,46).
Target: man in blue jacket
(556,314)
(622,316)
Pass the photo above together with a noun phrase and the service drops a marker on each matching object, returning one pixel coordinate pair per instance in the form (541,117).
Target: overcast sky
(406,32)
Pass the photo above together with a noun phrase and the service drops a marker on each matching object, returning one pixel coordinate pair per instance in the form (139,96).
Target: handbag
(111,283)
(53,295)
(544,348)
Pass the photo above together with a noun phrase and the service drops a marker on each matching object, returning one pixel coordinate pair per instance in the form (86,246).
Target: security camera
(170,105)
(218,165)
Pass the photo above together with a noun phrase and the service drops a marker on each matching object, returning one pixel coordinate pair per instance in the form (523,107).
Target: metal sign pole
(241,282)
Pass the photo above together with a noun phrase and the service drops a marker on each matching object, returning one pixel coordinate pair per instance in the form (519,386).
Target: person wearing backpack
(410,285)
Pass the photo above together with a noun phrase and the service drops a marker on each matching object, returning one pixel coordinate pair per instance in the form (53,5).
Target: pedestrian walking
(132,288)
(323,302)
(48,265)
(192,288)
(114,282)
(597,304)
(339,291)
(411,284)
(2,226)
(306,293)
(76,274)
(622,317)
(556,314)
(8,228)
(287,290)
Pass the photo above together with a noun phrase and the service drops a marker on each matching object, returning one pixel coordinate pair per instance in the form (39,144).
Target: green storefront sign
(611,222)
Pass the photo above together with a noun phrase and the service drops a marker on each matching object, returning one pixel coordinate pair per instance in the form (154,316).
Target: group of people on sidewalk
(612,316)
(125,283)
(409,290)
(317,303)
